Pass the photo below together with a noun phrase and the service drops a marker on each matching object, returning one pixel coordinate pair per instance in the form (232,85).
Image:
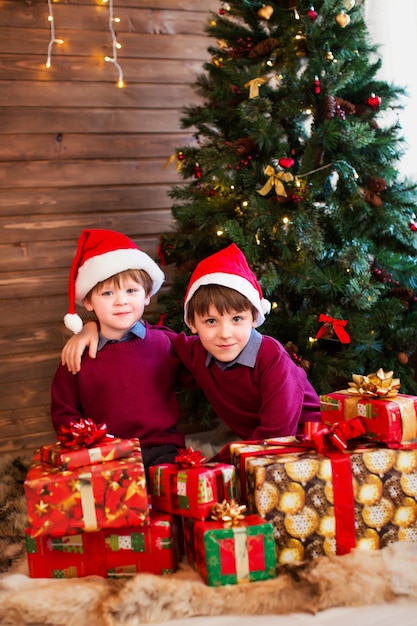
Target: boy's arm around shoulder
(74,348)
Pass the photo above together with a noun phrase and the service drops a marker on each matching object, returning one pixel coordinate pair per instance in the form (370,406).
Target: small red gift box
(237,554)
(107,553)
(108,449)
(111,494)
(390,419)
(191,491)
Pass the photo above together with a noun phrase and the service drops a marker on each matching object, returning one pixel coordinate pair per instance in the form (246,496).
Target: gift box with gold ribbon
(190,486)
(111,494)
(387,415)
(117,553)
(324,501)
(233,551)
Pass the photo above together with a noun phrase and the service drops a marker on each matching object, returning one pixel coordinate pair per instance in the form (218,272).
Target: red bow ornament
(336,325)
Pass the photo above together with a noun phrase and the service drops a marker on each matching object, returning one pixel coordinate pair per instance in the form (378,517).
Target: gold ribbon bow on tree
(254,85)
(275,181)
(229,512)
(379,384)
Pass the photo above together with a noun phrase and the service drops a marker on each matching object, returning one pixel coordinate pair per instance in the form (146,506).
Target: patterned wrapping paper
(238,554)
(191,491)
(390,419)
(330,504)
(107,553)
(69,458)
(111,494)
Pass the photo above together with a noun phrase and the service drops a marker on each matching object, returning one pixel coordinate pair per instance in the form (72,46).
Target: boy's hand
(74,348)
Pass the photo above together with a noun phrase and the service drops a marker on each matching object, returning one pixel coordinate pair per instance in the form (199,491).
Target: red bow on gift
(83,433)
(336,436)
(337,325)
(190,458)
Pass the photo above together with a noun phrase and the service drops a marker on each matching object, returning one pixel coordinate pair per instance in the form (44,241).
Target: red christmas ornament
(312,14)
(198,171)
(180,156)
(413,227)
(373,101)
(286,162)
(317,87)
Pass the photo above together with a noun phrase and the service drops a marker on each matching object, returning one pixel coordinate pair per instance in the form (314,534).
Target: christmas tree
(294,158)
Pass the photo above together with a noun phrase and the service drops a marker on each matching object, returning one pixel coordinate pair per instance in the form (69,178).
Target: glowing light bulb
(115,45)
(53,39)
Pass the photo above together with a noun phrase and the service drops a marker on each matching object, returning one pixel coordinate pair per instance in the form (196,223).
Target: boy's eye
(210,321)
(132,290)
(237,318)
(107,293)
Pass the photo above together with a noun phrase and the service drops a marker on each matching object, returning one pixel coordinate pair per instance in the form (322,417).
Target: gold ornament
(369,540)
(406,514)
(292,500)
(378,515)
(303,470)
(370,492)
(327,524)
(265,12)
(348,4)
(292,552)
(342,19)
(409,484)
(302,524)
(379,460)
(266,498)
(406,461)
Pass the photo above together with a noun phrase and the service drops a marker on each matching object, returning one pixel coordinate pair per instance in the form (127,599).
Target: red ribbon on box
(338,328)
(84,433)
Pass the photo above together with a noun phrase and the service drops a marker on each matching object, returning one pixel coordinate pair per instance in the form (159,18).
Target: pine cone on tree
(263,48)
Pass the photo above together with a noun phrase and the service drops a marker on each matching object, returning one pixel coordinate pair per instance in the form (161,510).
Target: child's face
(118,308)
(224,336)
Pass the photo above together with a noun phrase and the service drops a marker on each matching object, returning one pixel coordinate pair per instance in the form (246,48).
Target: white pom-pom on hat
(229,268)
(101,254)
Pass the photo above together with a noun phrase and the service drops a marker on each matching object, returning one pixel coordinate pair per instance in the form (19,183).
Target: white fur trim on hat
(233,281)
(103,266)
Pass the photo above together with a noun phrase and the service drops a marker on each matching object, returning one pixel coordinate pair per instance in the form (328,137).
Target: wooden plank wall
(77,152)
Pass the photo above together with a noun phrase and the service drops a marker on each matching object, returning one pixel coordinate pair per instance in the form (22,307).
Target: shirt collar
(246,357)
(138,330)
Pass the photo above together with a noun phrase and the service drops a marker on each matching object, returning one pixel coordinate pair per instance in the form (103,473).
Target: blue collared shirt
(138,330)
(246,357)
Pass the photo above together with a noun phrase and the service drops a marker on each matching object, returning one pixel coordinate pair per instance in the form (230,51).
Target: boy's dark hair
(224,299)
(139,276)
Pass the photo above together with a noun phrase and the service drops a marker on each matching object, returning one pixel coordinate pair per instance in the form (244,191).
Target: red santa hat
(228,268)
(101,254)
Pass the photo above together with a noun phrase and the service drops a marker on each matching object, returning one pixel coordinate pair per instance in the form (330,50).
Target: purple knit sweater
(269,400)
(130,386)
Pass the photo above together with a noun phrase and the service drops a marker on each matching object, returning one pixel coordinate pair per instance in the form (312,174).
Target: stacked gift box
(89,513)
(328,495)
(224,545)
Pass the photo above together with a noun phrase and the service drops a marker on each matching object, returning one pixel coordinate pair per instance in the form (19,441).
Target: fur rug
(352,580)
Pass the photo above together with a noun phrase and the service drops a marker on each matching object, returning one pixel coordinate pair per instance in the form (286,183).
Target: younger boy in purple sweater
(131,384)
(248,378)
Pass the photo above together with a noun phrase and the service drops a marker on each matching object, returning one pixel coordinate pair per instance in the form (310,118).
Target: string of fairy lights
(112,21)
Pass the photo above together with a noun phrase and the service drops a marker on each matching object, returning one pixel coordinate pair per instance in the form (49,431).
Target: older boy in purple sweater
(249,379)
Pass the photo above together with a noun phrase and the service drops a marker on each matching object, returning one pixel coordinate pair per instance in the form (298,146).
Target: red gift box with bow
(116,553)
(111,494)
(83,443)
(191,486)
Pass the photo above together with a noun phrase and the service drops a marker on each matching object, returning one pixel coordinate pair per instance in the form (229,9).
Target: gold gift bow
(254,85)
(379,384)
(228,512)
(274,181)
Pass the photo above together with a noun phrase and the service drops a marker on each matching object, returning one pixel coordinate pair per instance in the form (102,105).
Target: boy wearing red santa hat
(248,378)
(131,384)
